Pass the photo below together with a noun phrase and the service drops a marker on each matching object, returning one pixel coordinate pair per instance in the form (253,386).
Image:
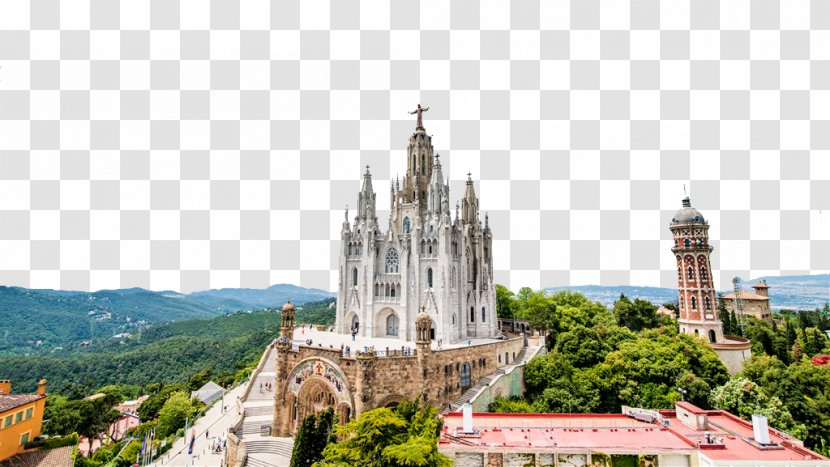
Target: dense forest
(600,359)
(160,353)
(46,322)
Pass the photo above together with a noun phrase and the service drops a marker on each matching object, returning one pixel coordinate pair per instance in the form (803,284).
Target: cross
(420,110)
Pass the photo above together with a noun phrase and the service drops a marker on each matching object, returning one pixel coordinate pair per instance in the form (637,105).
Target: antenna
(739,303)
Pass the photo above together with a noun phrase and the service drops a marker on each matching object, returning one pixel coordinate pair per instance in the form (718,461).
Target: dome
(687,214)
(288,306)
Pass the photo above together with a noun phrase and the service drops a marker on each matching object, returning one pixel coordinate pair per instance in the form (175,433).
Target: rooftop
(726,438)
(13,401)
(746,295)
(57,457)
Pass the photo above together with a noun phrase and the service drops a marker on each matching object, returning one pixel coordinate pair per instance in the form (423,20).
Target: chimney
(5,386)
(760,429)
(41,387)
(467,420)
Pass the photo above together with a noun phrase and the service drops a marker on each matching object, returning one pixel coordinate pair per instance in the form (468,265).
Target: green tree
(314,434)
(636,315)
(175,411)
(200,378)
(406,435)
(541,312)
(504,301)
(744,398)
(151,407)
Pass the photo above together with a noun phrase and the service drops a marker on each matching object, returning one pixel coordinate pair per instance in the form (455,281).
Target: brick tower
(695,284)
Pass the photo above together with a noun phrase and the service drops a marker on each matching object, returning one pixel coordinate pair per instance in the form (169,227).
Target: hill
(163,352)
(41,321)
(786,292)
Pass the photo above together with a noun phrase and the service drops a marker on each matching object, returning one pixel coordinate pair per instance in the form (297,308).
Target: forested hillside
(164,353)
(43,322)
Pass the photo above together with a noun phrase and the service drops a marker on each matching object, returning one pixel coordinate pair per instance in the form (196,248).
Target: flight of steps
(524,356)
(261,453)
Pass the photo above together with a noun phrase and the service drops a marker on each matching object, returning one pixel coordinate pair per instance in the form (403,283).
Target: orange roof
(745,295)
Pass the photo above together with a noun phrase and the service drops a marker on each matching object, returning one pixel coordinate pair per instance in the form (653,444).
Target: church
(427,258)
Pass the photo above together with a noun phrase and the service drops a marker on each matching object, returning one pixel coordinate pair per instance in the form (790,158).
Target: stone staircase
(269,452)
(522,358)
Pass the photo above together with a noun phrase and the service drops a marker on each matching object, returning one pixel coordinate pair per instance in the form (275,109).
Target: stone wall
(507,385)
(376,381)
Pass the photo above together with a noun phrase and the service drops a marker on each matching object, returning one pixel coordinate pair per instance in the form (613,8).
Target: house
(754,304)
(21,417)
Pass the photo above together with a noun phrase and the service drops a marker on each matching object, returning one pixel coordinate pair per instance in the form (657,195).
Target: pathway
(264,450)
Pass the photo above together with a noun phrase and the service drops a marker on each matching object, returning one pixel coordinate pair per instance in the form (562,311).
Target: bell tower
(695,284)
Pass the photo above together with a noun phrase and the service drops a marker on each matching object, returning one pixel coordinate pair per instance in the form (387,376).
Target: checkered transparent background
(187,144)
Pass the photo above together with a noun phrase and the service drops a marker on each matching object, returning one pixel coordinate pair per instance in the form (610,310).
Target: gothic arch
(391,400)
(324,375)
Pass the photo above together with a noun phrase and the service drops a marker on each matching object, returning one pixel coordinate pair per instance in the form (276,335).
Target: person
(207,434)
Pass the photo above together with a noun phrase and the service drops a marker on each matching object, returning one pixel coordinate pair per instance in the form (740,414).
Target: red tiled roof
(13,401)
(745,295)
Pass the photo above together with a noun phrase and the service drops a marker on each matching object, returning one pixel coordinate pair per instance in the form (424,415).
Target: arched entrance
(354,323)
(392,325)
(314,385)
(315,396)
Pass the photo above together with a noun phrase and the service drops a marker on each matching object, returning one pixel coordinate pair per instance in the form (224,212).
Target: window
(406,224)
(24,438)
(694,303)
(431,228)
(429,277)
(708,303)
(8,421)
(702,272)
(29,413)
(691,273)
(453,319)
(465,376)
(423,167)
(483,313)
(413,164)
(687,243)
(354,276)
(18,417)
(392,261)
(472,314)
(393,291)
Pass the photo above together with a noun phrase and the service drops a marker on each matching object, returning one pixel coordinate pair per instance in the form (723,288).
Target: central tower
(427,258)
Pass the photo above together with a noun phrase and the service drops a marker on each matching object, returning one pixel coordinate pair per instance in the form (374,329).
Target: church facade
(424,258)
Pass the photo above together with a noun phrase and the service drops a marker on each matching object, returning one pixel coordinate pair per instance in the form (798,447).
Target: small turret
(287,323)
(469,204)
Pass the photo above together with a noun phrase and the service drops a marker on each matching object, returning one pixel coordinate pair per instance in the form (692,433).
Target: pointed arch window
(406,224)
(423,164)
(483,314)
(429,277)
(354,276)
(694,303)
(472,314)
(414,169)
(691,273)
(703,272)
(392,261)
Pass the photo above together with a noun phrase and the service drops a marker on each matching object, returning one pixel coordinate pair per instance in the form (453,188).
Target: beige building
(754,303)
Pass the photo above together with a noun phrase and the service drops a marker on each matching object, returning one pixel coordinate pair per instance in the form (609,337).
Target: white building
(427,257)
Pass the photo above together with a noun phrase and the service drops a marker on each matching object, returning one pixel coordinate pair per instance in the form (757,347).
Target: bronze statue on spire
(420,110)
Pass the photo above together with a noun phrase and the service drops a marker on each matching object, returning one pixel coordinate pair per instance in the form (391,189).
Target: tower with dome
(696,292)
